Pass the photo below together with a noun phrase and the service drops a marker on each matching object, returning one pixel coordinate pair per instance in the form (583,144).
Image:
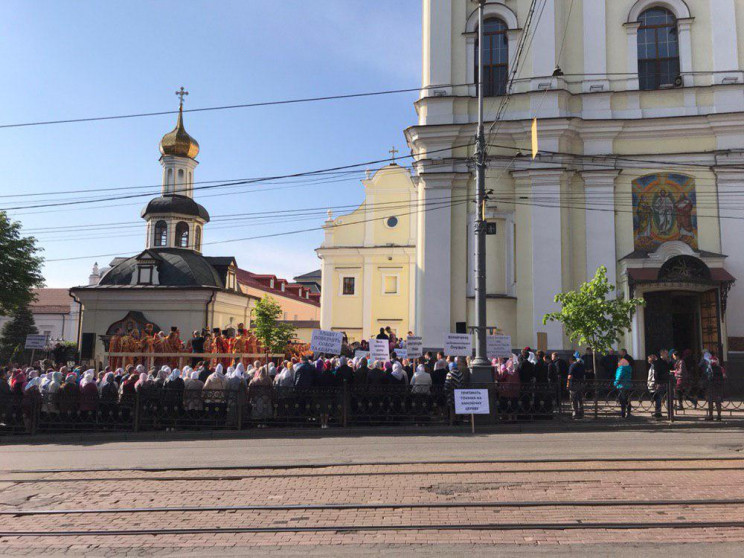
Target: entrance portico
(685,294)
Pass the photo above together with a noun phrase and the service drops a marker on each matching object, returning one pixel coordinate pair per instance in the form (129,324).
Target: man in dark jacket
(344,373)
(525,368)
(541,368)
(382,334)
(575,384)
(558,368)
(609,365)
(305,374)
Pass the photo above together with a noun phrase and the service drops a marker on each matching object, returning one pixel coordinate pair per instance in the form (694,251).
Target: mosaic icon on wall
(664,209)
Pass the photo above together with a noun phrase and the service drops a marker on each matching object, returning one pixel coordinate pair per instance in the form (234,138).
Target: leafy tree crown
(273,334)
(592,319)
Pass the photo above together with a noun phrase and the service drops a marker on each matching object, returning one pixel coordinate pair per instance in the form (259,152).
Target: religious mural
(664,209)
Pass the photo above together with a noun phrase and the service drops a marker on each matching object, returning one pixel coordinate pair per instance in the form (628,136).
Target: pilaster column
(631,66)
(595,47)
(730,183)
(327,294)
(433,257)
(685,50)
(437,43)
(599,188)
(543,46)
(540,257)
(366,289)
(725,55)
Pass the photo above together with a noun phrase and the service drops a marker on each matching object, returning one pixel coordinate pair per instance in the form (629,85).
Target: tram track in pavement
(327,470)
(391,506)
(705,513)
(562,526)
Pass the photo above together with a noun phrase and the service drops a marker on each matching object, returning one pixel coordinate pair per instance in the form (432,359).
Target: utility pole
(481,369)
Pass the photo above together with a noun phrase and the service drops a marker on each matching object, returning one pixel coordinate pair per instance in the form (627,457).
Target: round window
(392,222)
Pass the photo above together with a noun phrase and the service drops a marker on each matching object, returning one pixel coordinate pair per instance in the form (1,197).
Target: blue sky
(65,59)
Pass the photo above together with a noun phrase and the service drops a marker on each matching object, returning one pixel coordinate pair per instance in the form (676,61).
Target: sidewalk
(558,424)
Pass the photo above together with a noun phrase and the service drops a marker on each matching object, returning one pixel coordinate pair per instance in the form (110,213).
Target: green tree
(592,319)
(273,334)
(13,334)
(20,271)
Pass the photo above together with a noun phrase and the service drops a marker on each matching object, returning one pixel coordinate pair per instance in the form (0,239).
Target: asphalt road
(310,448)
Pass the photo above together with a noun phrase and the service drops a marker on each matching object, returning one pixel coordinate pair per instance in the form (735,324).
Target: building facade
(640,106)
(171,283)
(368,268)
(55,314)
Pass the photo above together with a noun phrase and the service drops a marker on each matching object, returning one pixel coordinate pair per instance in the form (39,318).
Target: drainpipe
(206,312)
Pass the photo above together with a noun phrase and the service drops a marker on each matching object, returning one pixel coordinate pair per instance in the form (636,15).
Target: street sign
(414,346)
(379,349)
(471,402)
(36,342)
(327,342)
(458,345)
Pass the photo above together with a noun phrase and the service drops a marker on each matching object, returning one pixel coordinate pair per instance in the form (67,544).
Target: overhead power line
(429,206)
(226,107)
(241,182)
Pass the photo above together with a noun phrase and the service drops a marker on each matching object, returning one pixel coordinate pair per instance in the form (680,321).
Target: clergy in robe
(115,347)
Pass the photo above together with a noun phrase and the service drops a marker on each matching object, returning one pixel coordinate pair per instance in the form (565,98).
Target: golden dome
(178,142)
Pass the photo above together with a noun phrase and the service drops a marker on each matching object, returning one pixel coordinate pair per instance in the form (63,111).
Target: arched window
(197,238)
(182,235)
(495,57)
(161,234)
(658,49)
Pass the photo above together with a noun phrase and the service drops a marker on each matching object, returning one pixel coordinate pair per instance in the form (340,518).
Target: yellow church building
(369,259)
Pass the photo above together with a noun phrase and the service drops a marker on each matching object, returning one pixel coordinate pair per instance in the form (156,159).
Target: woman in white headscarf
(421,381)
(398,374)
(214,387)
(192,393)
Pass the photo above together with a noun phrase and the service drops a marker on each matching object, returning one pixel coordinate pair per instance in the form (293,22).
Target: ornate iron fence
(349,405)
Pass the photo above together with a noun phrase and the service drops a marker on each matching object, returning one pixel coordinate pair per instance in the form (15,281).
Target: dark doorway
(672,321)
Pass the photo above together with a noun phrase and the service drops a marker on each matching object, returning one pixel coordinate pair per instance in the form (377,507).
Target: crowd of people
(77,392)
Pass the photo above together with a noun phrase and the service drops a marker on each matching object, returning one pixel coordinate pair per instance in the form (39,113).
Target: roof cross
(393,151)
(181,94)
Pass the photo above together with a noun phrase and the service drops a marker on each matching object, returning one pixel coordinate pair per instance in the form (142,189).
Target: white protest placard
(361,354)
(415,346)
(328,342)
(498,346)
(379,349)
(401,353)
(458,345)
(472,402)
(36,342)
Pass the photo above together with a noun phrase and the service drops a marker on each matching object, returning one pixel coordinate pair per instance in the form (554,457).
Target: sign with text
(401,353)
(36,342)
(379,349)
(498,346)
(458,345)
(415,346)
(472,402)
(328,342)
(361,354)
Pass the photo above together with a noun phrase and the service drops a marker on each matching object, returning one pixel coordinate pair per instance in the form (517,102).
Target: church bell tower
(174,219)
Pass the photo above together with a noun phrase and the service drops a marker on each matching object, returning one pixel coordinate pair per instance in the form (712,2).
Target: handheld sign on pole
(400,353)
(328,342)
(472,402)
(415,346)
(36,342)
(498,346)
(458,345)
(379,349)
